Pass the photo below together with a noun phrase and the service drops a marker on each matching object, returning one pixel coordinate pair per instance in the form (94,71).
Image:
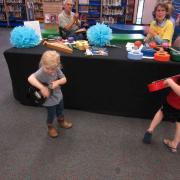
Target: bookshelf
(38,10)
(129,11)
(118,11)
(15,12)
(3,15)
(114,11)
(90,11)
(30,10)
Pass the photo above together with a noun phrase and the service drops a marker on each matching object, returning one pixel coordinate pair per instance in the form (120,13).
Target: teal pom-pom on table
(99,35)
(24,37)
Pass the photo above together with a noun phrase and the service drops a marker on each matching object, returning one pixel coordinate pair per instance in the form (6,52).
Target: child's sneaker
(52,132)
(147,138)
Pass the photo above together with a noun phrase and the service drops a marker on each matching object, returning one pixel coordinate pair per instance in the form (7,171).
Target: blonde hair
(50,59)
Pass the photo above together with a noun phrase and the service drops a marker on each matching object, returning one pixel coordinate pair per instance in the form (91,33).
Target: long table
(104,84)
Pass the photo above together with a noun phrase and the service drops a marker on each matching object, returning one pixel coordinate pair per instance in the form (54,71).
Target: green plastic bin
(124,38)
(49,33)
(175,56)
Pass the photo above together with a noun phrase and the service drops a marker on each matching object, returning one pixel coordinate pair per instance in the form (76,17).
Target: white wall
(147,12)
(135,11)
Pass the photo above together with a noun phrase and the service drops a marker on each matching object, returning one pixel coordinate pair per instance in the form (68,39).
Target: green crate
(49,33)
(175,56)
(123,38)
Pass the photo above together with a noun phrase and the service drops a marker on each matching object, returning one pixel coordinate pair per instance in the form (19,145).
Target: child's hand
(152,32)
(146,30)
(55,84)
(146,39)
(45,91)
(167,82)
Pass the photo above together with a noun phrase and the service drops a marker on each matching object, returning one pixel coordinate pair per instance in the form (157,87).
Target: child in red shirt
(170,110)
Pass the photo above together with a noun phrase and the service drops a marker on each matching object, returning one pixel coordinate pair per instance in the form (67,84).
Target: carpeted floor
(98,147)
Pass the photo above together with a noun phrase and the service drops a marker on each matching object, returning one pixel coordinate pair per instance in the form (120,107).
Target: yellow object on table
(82,45)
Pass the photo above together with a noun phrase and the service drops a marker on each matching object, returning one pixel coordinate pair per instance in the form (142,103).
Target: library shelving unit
(3,15)
(38,10)
(114,11)
(129,11)
(30,10)
(16,12)
(90,11)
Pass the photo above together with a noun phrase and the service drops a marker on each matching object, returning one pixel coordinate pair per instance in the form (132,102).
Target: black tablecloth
(106,84)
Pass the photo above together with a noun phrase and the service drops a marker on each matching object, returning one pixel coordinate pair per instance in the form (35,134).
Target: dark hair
(163,5)
(171,8)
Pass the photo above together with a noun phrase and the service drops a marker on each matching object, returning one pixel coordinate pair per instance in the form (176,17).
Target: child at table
(170,110)
(50,73)
(161,28)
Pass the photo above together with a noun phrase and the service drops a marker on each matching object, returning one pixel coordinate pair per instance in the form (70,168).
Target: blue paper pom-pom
(99,34)
(24,37)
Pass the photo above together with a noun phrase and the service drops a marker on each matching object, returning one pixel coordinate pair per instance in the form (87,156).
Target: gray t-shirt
(64,20)
(56,95)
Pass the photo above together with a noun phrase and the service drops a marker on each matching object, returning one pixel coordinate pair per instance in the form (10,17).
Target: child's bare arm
(33,81)
(173,85)
(58,82)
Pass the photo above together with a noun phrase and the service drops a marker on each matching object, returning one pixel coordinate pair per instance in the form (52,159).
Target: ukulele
(159,84)
(36,96)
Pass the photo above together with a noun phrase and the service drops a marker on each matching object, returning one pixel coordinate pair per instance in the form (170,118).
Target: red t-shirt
(173,99)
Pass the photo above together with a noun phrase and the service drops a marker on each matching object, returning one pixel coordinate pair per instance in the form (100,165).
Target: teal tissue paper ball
(24,37)
(99,35)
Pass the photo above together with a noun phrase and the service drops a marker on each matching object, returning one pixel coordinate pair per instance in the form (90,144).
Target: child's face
(49,70)
(160,13)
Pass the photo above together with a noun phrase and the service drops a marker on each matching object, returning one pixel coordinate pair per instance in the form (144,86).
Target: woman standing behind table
(161,28)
